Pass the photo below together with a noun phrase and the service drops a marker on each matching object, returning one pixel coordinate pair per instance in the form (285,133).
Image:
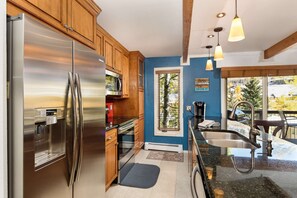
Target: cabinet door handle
(109,138)
(71,29)
(66,26)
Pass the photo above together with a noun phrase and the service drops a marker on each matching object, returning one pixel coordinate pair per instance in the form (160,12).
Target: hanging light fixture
(236,30)
(209,66)
(218,55)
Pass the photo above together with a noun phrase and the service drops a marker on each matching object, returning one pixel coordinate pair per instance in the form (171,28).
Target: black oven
(125,148)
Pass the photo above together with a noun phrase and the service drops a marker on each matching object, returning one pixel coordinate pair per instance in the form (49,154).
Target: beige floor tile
(116,191)
(173,181)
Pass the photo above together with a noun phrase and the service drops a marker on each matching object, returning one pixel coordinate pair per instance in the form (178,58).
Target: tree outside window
(169,99)
(245,89)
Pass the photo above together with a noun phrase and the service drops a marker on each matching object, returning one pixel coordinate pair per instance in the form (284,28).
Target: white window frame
(157,132)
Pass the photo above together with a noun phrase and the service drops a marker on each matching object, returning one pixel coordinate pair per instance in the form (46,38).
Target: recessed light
(210,36)
(221,15)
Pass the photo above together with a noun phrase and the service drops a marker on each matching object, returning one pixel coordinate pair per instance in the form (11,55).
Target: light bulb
(209,66)
(218,55)
(236,30)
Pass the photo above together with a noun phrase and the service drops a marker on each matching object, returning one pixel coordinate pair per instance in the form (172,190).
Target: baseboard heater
(163,147)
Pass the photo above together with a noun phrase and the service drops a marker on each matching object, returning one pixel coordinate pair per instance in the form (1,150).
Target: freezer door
(41,60)
(90,69)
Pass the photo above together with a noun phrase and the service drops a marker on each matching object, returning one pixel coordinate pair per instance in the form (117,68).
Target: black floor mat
(142,176)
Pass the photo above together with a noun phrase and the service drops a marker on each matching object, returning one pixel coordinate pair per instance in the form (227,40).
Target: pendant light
(209,66)
(218,55)
(236,30)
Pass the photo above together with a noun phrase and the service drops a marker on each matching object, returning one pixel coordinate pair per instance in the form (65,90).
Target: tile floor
(173,181)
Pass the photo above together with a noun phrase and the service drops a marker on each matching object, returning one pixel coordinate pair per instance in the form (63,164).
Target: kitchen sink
(227,138)
(230,143)
(226,135)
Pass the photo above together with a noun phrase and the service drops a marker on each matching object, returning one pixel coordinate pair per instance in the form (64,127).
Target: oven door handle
(125,132)
(125,128)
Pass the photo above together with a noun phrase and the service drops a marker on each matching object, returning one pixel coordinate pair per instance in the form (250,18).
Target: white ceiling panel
(154,27)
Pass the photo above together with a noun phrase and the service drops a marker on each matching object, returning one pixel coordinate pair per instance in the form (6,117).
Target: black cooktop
(117,121)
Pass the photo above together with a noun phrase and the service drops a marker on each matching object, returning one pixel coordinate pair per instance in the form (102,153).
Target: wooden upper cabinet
(82,15)
(108,52)
(53,8)
(99,43)
(76,18)
(113,53)
(53,12)
(137,65)
(117,59)
(126,79)
(141,74)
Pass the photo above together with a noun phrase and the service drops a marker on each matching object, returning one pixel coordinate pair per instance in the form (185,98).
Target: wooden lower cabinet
(141,131)
(141,103)
(139,134)
(137,146)
(111,157)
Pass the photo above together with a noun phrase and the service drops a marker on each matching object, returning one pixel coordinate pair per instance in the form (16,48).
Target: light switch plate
(189,108)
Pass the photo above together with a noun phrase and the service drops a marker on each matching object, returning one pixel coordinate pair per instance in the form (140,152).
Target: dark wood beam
(280,46)
(187,19)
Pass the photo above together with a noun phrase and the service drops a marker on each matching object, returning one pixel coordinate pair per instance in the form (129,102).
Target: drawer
(110,136)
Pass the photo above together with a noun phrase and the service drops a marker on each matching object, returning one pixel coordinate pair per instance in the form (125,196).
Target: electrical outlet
(189,108)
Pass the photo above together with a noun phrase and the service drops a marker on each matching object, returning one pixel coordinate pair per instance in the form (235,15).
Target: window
(168,101)
(245,89)
(267,94)
(282,93)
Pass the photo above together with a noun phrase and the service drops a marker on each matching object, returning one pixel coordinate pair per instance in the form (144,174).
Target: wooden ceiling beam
(187,19)
(280,46)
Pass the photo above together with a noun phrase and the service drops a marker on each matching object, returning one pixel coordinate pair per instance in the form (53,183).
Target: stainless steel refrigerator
(56,114)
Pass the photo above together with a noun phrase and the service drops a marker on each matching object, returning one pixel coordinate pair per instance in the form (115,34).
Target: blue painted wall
(195,70)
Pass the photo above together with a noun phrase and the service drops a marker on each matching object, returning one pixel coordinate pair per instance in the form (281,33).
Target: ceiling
(154,27)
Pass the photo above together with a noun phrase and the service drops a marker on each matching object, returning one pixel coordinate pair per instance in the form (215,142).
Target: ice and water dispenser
(49,136)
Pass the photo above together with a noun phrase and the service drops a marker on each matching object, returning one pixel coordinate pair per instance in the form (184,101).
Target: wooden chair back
(266,124)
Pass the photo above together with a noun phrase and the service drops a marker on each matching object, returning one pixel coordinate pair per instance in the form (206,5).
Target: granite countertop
(115,122)
(272,176)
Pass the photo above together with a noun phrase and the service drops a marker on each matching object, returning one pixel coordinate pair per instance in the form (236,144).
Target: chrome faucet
(252,167)
(253,133)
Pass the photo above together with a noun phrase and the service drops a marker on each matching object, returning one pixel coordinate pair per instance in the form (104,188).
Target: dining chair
(279,126)
(290,121)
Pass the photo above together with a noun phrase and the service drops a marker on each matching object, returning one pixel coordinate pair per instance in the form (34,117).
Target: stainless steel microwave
(113,83)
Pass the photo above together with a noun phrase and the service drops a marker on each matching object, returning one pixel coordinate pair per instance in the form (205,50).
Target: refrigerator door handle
(80,134)
(74,114)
